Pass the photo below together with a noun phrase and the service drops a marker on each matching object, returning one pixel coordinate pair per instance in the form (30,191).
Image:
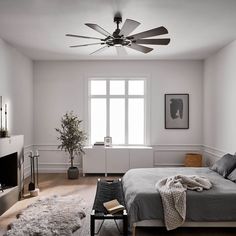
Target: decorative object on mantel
(72,139)
(3,131)
(50,216)
(98,144)
(176,111)
(34,177)
(1,188)
(108,141)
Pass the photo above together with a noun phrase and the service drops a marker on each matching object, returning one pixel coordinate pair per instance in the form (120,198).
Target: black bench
(108,190)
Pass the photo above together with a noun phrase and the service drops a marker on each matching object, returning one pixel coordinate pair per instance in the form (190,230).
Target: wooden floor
(58,184)
(52,184)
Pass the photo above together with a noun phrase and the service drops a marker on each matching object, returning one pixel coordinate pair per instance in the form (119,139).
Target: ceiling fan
(121,38)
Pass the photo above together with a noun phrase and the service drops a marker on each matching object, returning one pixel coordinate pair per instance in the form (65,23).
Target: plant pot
(73,173)
(3,133)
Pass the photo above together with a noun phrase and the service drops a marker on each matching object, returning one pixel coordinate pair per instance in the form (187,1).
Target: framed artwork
(176,111)
(108,141)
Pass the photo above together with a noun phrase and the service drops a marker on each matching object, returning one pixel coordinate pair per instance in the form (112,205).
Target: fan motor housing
(118,42)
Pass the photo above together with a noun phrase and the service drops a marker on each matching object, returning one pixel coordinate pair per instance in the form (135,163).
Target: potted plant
(72,139)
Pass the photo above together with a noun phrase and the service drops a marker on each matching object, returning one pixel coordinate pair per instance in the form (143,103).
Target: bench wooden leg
(133,230)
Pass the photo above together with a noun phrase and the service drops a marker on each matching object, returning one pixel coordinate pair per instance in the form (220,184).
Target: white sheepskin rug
(50,217)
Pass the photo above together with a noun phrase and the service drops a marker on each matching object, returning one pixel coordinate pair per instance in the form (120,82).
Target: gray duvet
(143,201)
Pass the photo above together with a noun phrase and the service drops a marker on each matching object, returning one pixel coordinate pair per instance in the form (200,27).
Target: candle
(31,154)
(1,111)
(36,153)
(5,117)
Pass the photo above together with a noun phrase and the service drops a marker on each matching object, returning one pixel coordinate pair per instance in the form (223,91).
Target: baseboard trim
(173,154)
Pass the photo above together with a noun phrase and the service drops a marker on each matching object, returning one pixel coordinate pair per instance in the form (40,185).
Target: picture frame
(107,141)
(177,111)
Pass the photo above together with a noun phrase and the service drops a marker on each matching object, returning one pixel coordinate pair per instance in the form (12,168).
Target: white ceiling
(37,28)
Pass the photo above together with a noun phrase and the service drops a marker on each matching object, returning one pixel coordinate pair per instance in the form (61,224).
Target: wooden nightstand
(193,160)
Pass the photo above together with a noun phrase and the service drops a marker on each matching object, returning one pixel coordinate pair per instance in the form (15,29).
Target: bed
(212,208)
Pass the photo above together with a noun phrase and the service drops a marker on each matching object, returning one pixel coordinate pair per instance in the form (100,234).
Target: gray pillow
(232,176)
(225,165)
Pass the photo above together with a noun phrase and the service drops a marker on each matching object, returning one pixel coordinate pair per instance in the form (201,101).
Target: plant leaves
(71,135)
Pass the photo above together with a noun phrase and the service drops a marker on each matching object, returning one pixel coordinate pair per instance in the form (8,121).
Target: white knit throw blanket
(173,194)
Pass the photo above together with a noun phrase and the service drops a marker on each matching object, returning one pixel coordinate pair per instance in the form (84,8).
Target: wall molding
(164,155)
(178,147)
(211,154)
(52,167)
(27,150)
(58,161)
(173,154)
(47,147)
(213,151)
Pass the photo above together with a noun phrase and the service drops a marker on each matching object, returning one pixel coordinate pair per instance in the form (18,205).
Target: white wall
(16,87)
(220,102)
(59,87)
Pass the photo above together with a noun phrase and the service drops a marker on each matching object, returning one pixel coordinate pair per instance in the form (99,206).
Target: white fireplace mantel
(9,145)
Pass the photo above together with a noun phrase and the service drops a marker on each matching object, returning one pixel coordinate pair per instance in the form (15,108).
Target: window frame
(108,96)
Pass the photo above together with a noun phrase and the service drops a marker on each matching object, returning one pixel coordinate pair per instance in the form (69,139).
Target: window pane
(98,119)
(117,87)
(136,87)
(136,121)
(117,120)
(98,87)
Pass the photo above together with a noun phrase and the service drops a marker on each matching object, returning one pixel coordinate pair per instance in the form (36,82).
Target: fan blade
(140,48)
(121,51)
(153,32)
(84,37)
(99,29)
(128,27)
(153,41)
(99,50)
(75,46)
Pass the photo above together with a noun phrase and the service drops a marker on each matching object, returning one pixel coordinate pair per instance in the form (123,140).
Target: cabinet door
(117,160)
(94,161)
(141,158)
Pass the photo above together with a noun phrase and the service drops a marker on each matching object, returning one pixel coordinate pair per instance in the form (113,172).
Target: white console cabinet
(116,159)
(94,161)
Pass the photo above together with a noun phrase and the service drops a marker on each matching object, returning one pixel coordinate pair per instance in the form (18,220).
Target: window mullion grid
(145,112)
(108,96)
(108,106)
(126,113)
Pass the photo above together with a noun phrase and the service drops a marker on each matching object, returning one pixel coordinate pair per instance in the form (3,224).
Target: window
(117,109)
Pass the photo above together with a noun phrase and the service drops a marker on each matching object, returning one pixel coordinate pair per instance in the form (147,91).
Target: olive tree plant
(72,138)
